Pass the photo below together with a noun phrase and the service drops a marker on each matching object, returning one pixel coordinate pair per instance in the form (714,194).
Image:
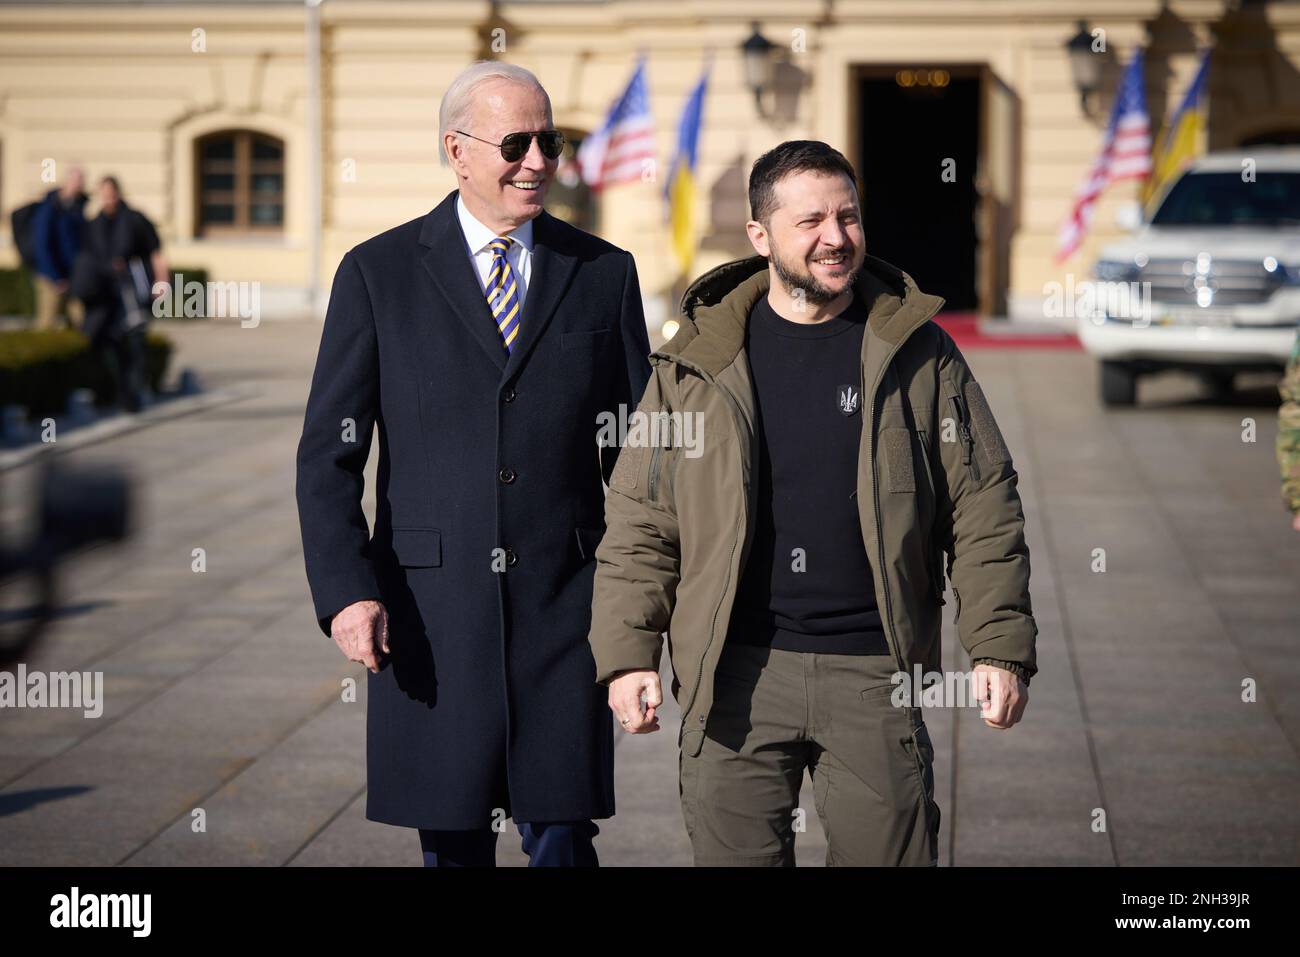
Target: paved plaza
(221,694)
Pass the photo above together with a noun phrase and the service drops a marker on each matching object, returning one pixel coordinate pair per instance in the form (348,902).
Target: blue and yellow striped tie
(503,292)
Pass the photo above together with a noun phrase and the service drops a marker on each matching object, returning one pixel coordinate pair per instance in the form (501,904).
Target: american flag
(1125,154)
(616,153)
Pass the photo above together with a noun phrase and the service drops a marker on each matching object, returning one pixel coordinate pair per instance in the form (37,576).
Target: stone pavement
(221,693)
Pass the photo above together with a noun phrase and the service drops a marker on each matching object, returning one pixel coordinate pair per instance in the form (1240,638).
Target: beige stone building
(265,139)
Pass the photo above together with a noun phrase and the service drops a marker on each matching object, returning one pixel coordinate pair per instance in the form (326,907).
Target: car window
(1225,199)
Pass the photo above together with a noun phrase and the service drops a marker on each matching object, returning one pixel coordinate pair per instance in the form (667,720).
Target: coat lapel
(453,274)
(447,263)
(552,269)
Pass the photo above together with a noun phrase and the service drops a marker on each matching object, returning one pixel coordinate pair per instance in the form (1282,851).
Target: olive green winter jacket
(935,481)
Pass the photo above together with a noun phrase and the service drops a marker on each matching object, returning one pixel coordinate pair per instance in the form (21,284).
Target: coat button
(511,558)
(508,395)
(506,475)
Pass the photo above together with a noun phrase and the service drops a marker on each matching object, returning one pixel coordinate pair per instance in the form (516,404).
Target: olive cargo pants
(778,712)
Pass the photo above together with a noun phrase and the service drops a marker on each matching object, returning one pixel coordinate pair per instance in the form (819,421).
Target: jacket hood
(715,308)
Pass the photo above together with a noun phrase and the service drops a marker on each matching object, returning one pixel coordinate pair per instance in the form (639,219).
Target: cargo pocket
(687,776)
(881,691)
(936,571)
(645,462)
(922,749)
(977,430)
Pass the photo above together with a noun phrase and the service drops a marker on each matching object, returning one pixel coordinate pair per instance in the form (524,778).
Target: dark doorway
(911,121)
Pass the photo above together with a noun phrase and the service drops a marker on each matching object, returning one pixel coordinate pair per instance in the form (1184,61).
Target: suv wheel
(1118,384)
(1220,383)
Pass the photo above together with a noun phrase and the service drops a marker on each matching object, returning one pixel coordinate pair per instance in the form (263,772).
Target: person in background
(115,276)
(57,227)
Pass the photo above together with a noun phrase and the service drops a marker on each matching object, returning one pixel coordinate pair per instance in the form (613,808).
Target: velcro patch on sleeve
(627,470)
(898,453)
(985,426)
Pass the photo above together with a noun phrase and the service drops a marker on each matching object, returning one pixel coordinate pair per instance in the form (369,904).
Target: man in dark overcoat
(488,344)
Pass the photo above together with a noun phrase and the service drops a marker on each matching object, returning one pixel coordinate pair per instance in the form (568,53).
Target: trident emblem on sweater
(848,399)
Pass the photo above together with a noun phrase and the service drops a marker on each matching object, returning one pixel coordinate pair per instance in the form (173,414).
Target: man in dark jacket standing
(115,276)
(487,341)
(56,228)
(795,553)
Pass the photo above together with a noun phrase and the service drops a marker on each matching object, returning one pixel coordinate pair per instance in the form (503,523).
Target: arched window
(239,184)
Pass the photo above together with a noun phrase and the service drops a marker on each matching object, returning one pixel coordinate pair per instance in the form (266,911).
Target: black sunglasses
(513,146)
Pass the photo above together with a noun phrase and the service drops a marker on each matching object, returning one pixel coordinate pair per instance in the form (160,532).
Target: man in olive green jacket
(934,479)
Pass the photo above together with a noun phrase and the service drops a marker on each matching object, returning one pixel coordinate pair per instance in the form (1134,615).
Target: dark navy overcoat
(489,509)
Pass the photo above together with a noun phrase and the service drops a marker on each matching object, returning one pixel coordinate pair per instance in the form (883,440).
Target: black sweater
(807,585)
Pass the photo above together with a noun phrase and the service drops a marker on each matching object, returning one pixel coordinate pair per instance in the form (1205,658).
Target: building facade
(266,139)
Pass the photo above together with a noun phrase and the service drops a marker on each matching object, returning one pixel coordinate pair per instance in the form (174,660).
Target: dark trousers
(550,844)
(121,354)
(777,714)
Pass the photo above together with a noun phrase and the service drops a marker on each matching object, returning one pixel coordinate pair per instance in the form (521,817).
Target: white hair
(459,98)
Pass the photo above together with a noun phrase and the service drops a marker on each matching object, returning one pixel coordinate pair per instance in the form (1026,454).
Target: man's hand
(625,691)
(361,632)
(1003,694)
(1295,521)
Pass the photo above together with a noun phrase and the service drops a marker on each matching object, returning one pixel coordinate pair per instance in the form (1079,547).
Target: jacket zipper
(967,440)
(884,578)
(890,633)
(875,501)
(652,484)
(744,523)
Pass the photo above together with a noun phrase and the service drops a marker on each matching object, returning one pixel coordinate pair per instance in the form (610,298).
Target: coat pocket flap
(588,541)
(418,547)
(584,338)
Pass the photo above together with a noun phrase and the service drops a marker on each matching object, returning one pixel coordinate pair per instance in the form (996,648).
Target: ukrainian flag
(680,188)
(1183,139)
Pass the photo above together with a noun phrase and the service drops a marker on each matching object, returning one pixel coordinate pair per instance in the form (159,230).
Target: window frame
(243,167)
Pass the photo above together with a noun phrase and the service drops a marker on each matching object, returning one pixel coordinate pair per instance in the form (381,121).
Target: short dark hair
(792,156)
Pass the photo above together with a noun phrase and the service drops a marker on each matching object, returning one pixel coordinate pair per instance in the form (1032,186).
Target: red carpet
(965,331)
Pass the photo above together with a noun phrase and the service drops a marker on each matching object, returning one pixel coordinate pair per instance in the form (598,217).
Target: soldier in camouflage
(1288,434)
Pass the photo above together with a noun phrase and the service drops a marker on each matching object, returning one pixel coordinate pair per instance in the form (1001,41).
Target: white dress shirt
(519,255)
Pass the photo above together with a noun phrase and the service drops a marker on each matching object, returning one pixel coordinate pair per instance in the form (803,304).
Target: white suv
(1222,256)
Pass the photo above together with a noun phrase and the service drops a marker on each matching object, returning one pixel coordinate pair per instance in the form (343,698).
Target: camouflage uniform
(1288,430)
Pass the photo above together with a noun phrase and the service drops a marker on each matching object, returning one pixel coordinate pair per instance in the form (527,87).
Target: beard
(797,276)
